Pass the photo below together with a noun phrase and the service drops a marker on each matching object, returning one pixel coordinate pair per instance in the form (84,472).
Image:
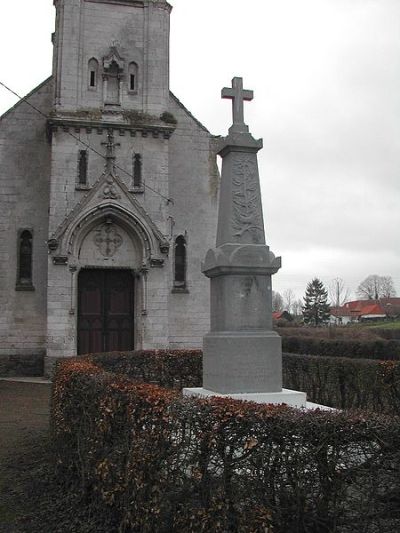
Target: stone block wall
(29,365)
(194,184)
(24,202)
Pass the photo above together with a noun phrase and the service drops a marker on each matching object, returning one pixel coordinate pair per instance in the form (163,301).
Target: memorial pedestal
(285,396)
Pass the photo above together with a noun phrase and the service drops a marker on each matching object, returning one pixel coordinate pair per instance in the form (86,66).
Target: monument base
(242,362)
(286,396)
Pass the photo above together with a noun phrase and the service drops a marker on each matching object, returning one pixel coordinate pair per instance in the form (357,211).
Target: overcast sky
(326,78)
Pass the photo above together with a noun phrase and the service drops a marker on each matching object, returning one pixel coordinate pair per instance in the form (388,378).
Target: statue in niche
(113,65)
(113,82)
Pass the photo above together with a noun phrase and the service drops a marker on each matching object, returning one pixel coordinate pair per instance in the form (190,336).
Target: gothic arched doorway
(105,310)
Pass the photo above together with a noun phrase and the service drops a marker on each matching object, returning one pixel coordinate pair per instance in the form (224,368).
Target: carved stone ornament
(107,239)
(60,260)
(246,216)
(52,244)
(155,262)
(113,57)
(109,191)
(164,248)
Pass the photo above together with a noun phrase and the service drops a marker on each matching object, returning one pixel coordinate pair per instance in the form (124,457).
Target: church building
(108,196)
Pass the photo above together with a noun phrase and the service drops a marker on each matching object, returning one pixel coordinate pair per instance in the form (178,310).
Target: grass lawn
(386,325)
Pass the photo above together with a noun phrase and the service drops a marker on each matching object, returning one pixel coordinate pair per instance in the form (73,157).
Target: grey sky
(326,77)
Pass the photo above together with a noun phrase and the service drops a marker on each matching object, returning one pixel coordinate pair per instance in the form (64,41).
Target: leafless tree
(375,287)
(387,287)
(339,294)
(288,299)
(297,307)
(277,302)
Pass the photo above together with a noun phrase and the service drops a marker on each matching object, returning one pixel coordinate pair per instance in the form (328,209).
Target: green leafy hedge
(378,349)
(148,460)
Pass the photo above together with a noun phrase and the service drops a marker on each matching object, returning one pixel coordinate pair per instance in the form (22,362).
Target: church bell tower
(112,55)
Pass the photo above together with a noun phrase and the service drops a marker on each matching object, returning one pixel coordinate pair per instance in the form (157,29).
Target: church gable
(38,97)
(109,195)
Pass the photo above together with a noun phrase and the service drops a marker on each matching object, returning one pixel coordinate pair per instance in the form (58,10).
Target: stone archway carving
(68,241)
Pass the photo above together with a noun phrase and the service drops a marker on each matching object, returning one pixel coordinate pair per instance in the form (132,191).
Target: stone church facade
(108,196)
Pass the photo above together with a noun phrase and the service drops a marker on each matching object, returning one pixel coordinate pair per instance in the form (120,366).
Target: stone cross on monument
(242,355)
(238,95)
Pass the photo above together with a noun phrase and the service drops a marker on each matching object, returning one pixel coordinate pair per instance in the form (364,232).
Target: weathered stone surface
(40,190)
(247,362)
(24,202)
(30,364)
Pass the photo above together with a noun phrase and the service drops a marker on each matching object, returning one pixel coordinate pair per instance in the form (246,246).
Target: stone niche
(109,244)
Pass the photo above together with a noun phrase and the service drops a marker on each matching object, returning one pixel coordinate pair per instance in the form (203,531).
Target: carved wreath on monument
(107,239)
(246,217)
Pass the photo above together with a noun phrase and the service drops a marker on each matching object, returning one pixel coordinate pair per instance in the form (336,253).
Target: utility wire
(24,99)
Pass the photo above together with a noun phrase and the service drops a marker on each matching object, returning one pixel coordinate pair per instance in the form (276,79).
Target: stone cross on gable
(110,150)
(238,95)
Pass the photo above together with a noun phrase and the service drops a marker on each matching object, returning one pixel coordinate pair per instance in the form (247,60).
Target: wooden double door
(105,310)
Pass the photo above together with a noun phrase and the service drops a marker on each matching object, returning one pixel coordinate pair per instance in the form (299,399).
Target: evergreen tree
(316,309)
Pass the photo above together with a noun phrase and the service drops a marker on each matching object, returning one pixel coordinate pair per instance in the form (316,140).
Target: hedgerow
(377,349)
(345,383)
(149,460)
(167,368)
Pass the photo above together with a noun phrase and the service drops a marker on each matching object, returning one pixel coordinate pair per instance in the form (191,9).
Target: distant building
(281,315)
(364,310)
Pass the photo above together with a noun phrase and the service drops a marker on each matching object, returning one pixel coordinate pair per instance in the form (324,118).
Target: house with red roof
(281,315)
(364,310)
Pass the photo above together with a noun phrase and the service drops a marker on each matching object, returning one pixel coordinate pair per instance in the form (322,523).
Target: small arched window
(180,263)
(137,171)
(25,246)
(133,77)
(93,73)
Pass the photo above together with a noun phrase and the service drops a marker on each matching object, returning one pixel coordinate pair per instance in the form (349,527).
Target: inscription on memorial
(246,216)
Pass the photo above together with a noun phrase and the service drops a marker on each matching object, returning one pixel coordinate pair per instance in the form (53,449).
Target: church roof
(21,101)
(176,99)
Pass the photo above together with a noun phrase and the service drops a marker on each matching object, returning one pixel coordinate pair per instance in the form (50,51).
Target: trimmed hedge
(388,333)
(149,460)
(345,383)
(174,369)
(333,381)
(378,349)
